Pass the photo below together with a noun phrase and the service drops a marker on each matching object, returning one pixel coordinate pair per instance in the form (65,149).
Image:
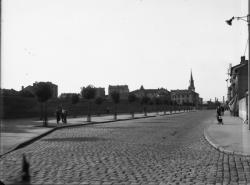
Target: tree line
(42,91)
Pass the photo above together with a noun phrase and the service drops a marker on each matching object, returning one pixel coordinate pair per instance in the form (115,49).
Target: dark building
(121,89)
(54,88)
(100,92)
(238,88)
(238,79)
(66,95)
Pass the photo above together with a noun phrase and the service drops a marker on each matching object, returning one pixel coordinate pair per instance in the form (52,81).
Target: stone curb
(170,114)
(220,148)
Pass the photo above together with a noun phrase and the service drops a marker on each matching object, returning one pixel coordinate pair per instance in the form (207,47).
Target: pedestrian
(58,114)
(25,170)
(218,111)
(64,116)
(218,115)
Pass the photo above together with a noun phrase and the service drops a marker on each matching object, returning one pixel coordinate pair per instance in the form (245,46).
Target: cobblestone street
(155,151)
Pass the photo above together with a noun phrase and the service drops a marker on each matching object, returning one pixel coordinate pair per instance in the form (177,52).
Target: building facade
(66,95)
(238,89)
(152,93)
(121,89)
(200,101)
(99,92)
(186,96)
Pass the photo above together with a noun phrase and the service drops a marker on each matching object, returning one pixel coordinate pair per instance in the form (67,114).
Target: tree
(175,105)
(89,93)
(116,99)
(166,103)
(144,101)
(75,98)
(131,99)
(99,101)
(9,92)
(25,93)
(43,92)
(157,102)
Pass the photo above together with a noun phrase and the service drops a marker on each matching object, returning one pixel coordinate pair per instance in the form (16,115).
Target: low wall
(20,107)
(243,109)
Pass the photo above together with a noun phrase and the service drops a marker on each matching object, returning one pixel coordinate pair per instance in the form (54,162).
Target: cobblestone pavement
(152,151)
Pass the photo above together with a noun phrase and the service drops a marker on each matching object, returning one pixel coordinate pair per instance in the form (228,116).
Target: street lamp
(229,21)
(246,19)
(243,18)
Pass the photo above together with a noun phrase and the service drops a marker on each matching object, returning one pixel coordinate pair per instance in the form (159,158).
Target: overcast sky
(154,43)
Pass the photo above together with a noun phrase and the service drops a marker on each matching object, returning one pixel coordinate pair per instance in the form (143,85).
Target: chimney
(242,59)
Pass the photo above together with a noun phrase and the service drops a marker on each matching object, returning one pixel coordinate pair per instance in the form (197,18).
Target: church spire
(191,83)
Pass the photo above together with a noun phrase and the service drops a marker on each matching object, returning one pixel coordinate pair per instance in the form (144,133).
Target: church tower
(191,83)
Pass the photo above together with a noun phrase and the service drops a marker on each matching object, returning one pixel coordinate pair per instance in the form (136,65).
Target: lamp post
(246,19)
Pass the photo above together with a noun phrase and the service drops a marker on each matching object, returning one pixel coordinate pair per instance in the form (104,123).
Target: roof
(244,64)
(181,91)
(150,90)
(118,86)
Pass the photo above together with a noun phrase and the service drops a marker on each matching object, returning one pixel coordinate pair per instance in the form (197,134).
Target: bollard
(25,170)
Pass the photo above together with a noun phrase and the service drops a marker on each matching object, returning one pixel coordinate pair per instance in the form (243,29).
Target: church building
(186,96)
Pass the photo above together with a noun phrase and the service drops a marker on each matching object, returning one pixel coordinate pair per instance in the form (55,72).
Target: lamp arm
(240,18)
(243,18)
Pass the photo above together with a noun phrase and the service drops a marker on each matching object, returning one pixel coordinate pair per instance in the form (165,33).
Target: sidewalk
(232,137)
(17,133)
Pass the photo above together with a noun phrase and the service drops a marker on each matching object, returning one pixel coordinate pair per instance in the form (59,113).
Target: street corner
(217,138)
(210,139)
(228,138)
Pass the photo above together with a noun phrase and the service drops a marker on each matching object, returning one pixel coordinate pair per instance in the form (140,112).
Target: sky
(154,43)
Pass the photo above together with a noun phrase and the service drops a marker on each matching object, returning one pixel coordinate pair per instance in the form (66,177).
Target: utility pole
(229,22)
(248,99)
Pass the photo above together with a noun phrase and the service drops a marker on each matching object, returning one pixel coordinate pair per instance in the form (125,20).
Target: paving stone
(130,152)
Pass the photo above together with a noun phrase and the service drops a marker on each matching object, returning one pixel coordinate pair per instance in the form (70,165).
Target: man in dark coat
(219,118)
(58,114)
(218,110)
(64,116)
